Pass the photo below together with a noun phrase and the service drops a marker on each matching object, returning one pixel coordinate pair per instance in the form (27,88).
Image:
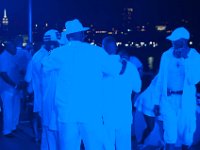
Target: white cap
(74,26)
(179,33)
(51,35)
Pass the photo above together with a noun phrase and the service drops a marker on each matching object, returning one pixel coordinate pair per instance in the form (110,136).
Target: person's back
(118,91)
(78,99)
(79,81)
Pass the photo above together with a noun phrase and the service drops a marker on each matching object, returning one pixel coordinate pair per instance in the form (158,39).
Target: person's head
(75,30)
(18,41)
(179,39)
(10,47)
(109,44)
(51,39)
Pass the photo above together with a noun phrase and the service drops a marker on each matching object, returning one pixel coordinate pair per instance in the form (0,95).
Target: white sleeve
(28,75)
(192,70)
(159,81)
(137,83)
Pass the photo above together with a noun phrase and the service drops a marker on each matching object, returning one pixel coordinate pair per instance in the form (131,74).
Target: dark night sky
(102,13)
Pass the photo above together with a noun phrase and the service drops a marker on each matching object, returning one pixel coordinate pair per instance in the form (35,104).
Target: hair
(108,39)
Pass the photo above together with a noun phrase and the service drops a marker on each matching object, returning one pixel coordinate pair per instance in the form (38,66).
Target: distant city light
(92,43)
(5,18)
(130,9)
(137,45)
(169,31)
(126,45)
(116,32)
(46,25)
(161,28)
(143,29)
(150,62)
(142,43)
(24,44)
(101,32)
(119,43)
(191,43)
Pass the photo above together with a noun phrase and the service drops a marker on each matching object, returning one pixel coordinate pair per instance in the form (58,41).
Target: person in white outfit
(44,84)
(13,63)
(145,104)
(78,101)
(176,80)
(117,100)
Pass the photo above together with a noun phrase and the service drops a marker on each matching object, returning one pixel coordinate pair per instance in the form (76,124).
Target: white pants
(49,139)
(71,134)
(176,125)
(118,137)
(11,111)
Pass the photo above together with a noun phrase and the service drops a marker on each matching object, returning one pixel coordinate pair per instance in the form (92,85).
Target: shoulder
(166,54)
(194,52)
(4,55)
(39,55)
(136,61)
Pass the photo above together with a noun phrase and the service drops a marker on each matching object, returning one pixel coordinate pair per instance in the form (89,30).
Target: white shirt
(36,70)
(176,74)
(14,65)
(117,92)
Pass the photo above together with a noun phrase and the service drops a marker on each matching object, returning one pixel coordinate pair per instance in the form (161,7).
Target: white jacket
(80,69)
(117,93)
(192,77)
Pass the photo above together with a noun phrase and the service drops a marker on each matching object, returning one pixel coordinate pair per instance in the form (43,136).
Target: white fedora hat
(74,26)
(179,33)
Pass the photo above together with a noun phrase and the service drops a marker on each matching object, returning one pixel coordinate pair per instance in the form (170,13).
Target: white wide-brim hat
(179,33)
(74,26)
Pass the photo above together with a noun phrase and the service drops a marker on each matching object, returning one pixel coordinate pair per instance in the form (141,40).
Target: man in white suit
(117,99)
(80,69)
(176,80)
(13,63)
(44,84)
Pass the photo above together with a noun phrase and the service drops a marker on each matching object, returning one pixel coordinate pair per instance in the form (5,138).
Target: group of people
(84,93)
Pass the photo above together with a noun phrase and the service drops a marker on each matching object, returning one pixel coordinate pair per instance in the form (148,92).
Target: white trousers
(177,128)
(118,137)
(49,139)
(71,134)
(11,111)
